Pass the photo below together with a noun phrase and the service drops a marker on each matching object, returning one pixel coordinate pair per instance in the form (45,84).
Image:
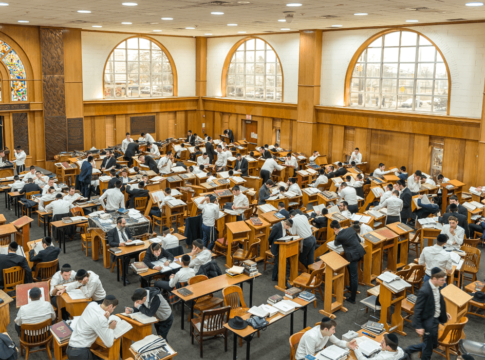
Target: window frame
(6,80)
(163,49)
(227,62)
(365,46)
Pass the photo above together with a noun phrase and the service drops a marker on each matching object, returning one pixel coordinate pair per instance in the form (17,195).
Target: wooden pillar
(200,79)
(481,149)
(308,89)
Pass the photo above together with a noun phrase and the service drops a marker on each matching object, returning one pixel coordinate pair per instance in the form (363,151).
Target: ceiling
(252,16)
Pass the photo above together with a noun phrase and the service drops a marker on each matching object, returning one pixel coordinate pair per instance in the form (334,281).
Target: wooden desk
(134,354)
(22,292)
(446,193)
(269,217)
(289,251)
(262,233)
(403,241)
(389,244)
(22,235)
(391,179)
(127,251)
(236,231)
(456,301)
(2,219)
(322,199)
(425,234)
(73,307)
(59,349)
(61,225)
(213,285)
(334,283)
(4,311)
(388,298)
(6,172)
(139,332)
(7,230)
(309,199)
(275,203)
(373,258)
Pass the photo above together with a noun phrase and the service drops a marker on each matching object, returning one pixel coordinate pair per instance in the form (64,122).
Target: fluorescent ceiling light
(190,28)
(231,24)
(412,21)
(23,21)
(241,32)
(167,18)
(361,14)
(285,29)
(336,25)
(282,20)
(129,4)
(217,13)
(207,34)
(157,30)
(474,4)
(84,11)
(3,4)
(293,4)
(97,26)
(126,23)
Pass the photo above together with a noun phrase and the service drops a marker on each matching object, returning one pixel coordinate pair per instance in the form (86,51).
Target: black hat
(442,238)
(435,270)
(81,273)
(325,319)
(479,297)
(35,292)
(66,267)
(110,297)
(393,338)
(14,246)
(237,323)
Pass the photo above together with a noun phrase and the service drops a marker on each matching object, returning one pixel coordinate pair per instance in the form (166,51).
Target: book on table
(76,294)
(263,311)
(256,221)
(334,352)
(367,346)
(122,326)
(225,192)
(235,270)
(139,267)
(267,208)
(134,243)
(274,299)
(404,227)
(292,292)
(333,209)
(184,292)
(378,192)
(115,250)
(142,318)
(283,307)
(61,331)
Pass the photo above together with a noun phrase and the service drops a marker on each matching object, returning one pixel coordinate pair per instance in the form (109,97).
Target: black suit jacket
(319,221)
(112,183)
(242,166)
(150,257)
(267,154)
(151,163)
(108,163)
(332,174)
(462,221)
(10,260)
(285,213)
(50,253)
(30,187)
(425,308)
(114,239)
(131,150)
(341,172)
(275,234)
(461,210)
(135,193)
(350,241)
(191,140)
(231,135)
(209,149)
(406,198)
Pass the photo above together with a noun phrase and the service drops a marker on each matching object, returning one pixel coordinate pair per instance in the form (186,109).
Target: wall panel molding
(21,131)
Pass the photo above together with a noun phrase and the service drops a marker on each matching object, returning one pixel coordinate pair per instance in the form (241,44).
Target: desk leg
(248,347)
(291,323)
(182,315)
(117,271)
(49,225)
(234,346)
(305,313)
(64,239)
(251,283)
(6,203)
(44,221)
(125,271)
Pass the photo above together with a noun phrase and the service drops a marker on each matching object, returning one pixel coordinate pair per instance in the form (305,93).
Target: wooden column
(481,149)
(200,79)
(308,90)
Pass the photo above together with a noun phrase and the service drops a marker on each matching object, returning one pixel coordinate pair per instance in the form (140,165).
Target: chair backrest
(213,321)
(366,190)
(294,341)
(253,250)
(416,274)
(452,333)
(12,277)
(77,211)
(248,213)
(5,239)
(233,297)
(472,258)
(403,273)
(140,203)
(28,195)
(316,277)
(36,334)
(142,256)
(46,270)
(197,278)
(471,242)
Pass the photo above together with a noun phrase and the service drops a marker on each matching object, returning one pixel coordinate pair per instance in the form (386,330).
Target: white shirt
(46,188)
(149,138)
(413,186)
(180,151)
(382,355)
(430,181)
(380,172)
(321,179)
(301,227)
(270,165)
(387,194)
(312,342)
(125,180)
(59,206)
(292,162)
(154,150)
(436,295)
(312,159)
(347,214)
(435,256)
(125,143)
(114,199)
(20,158)
(42,181)
(357,184)
(165,165)
(197,170)
(393,205)
(17,185)
(200,259)
(349,194)
(164,201)
(35,312)
(202,161)
(296,189)
(71,198)
(357,158)
(44,198)
(93,289)
(170,241)
(210,213)
(364,229)
(458,237)
(240,200)
(57,279)
(221,159)
(28,176)
(89,326)
(182,276)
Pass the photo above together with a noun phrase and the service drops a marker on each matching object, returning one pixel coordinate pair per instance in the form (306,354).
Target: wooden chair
(322,249)
(13,277)
(141,203)
(242,255)
(41,219)
(44,271)
(86,239)
(449,337)
(160,222)
(311,282)
(35,335)
(210,326)
(475,307)
(28,196)
(268,255)
(221,246)
(5,239)
(471,242)
(142,256)
(233,297)
(295,340)
(205,302)
(415,244)
(471,264)
(415,276)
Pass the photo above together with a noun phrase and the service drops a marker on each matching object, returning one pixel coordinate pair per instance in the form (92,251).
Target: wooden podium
(4,311)
(456,302)
(236,231)
(457,190)
(404,232)
(387,298)
(260,232)
(391,245)
(334,283)
(23,292)
(373,257)
(139,332)
(23,231)
(289,250)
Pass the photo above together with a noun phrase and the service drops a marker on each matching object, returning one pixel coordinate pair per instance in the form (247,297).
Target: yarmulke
(325,319)
(14,245)
(442,238)
(435,270)
(140,291)
(334,223)
(81,273)
(110,297)
(66,267)
(35,292)
(453,207)
(393,338)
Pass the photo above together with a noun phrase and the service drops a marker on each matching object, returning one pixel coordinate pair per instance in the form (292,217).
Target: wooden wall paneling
(324,139)
(75,134)
(260,140)
(193,124)
(360,141)
(88,133)
(208,120)
(181,124)
(480,178)
(337,150)
(201,66)
(285,132)
(171,116)
(470,163)
(422,154)
(120,128)
(224,124)
(39,138)
(253,108)
(74,100)
(384,149)
(110,131)
(20,125)
(99,130)
(217,125)
(453,152)
(349,140)
(267,133)
(142,124)
(232,124)
(72,55)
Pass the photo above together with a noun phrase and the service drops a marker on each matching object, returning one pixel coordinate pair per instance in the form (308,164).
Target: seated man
(240,202)
(293,186)
(34,312)
(13,259)
(158,211)
(390,349)
(282,210)
(456,234)
(426,209)
(181,276)
(343,207)
(319,220)
(265,192)
(30,187)
(136,193)
(89,283)
(64,276)
(199,256)
(321,179)
(118,237)
(50,253)
(314,340)
(169,241)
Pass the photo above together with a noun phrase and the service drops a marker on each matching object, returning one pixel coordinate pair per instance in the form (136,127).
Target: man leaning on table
(64,276)
(314,340)
(120,236)
(389,349)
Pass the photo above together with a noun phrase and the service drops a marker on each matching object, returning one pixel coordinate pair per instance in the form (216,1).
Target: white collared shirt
(28,176)
(349,194)
(292,162)
(93,289)
(114,199)
(240,200)
(20,158)
(312,342)
(154,150)
(45,188)
(413,186)
(321,179)
(196,170)
(346,213)
(35,312)
(357,158)
(221,159)
(301,227)
(72,198)
(364,229)
(457,238)
(44,180)
(57,279)
(312,159)
(59,206)
(89,326)
(170,241)
(435,256)
(210,213)
(165,165)
(202,161)
(436,296)
(270,165)
(378,171)
(182,276)
(125,143)
(393,205)
(44,198)
(430,181)
(385,196)
(149,138)
(17,185)
(296,189)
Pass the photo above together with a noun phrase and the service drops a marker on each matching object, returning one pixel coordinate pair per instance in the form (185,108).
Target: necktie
(123,236)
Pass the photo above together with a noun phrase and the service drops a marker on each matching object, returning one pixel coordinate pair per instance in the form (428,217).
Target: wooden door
(251,131)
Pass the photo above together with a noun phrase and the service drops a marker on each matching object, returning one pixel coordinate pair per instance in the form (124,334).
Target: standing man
(354,251)
(407,198)
(349,194)
(229,134)
(435,256)
(268,167)
(221,161)
(210,213)
(147,160)
(154,150)
(242,165)
(115,199)
(356,156)
(240,203)
(147,137)
(131,150)
(209,150)
(429,312)
(394,207)
(165,163)
(291,162)
(20,156)
(126,142)
(299,225)
(85,177)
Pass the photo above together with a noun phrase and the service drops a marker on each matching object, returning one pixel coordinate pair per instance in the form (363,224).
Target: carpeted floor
(272,344)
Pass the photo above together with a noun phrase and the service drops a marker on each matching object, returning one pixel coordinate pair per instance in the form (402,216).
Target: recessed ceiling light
(84,11)
(282,20)
(97,26)
(207,34)
(336,25)
(231,24)
(23,21)
(157,30)
(360,14)
(293,4)
(217,13)
(190,28)
(474,4)
(244,2)
(285,29)
(3,4)
(412,21)
(241,32)
(129,4)
(167,18)
(153,23)
(126,23)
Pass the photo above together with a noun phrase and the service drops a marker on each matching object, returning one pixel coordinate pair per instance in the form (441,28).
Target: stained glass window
(255,72)
(10,58)
(401,70)
(138,68)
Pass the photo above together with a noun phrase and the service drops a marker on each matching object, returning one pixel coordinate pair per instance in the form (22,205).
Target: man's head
(144,178)
(124,172)
(453,208)
(47,241)
(121,222)
(269,183)
(51,190)
(389,342)
(343,205)
(167,191)
(66,272)
(343,185)
(238,156)
(59,196)
(81,275)
(339,164)
(156,249)
(90,159)
(185,260)
(321,171)
(438,277)
(72,190)
(141,185)
(38,174)
(197,246)
(51,181)
(281,205)
(281,189)
(360,177)
(2,153)
(395,193)
(35,294)
(236,190)
(335,225)
(13,247)
(356,151)
(170,154)
(453,221)
(417,174)
(30,181)
(112,172)
(441,239)
(287,224)
(32,169)
(315,152)
(389,187)
(292,180)
(128,135)
(226,132)
(219,148)
(141,159)
(454,200)
(205,155)
(403,169)
(108,153)
(327,326)
(382,166)
(118,184)
(18,149)
(401,184)
(189,132)
(109,304)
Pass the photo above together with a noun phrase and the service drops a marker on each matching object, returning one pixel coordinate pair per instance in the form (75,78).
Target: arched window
(16,70)
(139,67)
(254,72)
(400,70)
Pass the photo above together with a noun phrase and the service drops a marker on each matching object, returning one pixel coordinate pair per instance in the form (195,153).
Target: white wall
(463,47)
(286,46)
(96,47)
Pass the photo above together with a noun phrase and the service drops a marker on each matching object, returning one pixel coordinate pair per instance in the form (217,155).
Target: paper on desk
(76,294)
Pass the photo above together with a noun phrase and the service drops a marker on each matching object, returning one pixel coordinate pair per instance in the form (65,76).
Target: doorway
(251,131)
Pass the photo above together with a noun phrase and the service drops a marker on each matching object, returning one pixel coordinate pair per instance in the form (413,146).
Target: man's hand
(128,310)
(452,231)
(233,207)
(158,268)
(420,332)
(85,281)
(106,314)
(317,212)
(122,244)
(448,316)
(352,344)
(112,325)
(171,276)
(420,196)
(167,263)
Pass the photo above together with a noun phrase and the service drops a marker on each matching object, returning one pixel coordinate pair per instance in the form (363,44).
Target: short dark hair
(59,196)
(108,300)
(141,184)
(344,203)
(401,182)
(90,158)
(127,133)
(292,180)
(186,260)
(238,154)
(72,187)
(118,184)
(452,218)
(403,168)
(281,204)
(198,243)
(113,171)
(442,239)
(335,224)
(381,164)
(438,275)
(30,180)
(47,240)
(119,220)
(390,343)
(269,182)
(168,190)
(440,176)
(32,167)
(328,324)
(418,173)
(156,247)
(236,188)
(356,148)
(395,192)
(35,293)
(389,186)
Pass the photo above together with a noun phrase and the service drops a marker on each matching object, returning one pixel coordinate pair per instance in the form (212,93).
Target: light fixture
(282,20)
(475,3)
(207,34)
(244,2)
(157,30)
(361,14)
(129,4)
(336,26)
(3,4)
(217,13)
(126,23)
(241,32)
(23,21)
(285,29)
(412,21)
(190,28)
(293,4)
(97,26)
(167,18)
(84,11)
(231,24)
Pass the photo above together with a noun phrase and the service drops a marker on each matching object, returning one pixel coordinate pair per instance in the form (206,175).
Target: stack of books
(334,352)
(292,293)
(274,299)
(412,298)
(307,296)
(62,332)
(139,267)
(250,268)
(373,326)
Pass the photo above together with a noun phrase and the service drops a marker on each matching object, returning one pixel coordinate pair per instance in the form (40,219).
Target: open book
(267,208)
(263,310)
(142,318)
(424,200)
(122,326)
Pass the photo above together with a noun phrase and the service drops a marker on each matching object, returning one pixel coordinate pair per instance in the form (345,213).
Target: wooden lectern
(388,298)
(404,232)
(456,302)
(236,231)
(260,232)
(23,292)
(139,332)
(289,250)
(4,311)
(334,283)
(23,231)
(390,244)
(373,256)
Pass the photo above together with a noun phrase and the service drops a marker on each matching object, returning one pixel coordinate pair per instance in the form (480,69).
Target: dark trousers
(207,231)
(163,327)
(473,228)
(80,354)
(430,340)
(20,168)
(130,161)
(307,253)
(422,213)
(65,314)
(354,278)
(392,219)
(353,208)
(163,284)
(86,189)
(265,175)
